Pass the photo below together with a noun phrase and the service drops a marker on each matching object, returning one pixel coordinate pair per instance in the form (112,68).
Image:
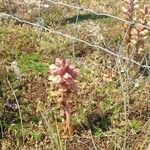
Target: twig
(19,110)
(75,32)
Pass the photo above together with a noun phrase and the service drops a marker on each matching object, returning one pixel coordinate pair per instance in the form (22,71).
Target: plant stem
(68,121)
(66,115)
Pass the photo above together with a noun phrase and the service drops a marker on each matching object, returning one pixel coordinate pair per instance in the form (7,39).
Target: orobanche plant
(128,13)
(136,34)
(62,76)
(139,33)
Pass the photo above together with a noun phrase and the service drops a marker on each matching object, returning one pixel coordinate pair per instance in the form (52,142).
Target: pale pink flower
(62,73)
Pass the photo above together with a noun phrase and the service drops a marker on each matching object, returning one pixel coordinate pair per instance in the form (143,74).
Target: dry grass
(111,103)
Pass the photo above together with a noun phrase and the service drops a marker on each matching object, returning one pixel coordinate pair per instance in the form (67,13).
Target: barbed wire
(98,14)
(74,37)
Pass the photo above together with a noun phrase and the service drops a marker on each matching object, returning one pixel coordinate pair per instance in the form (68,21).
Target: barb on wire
(72,38)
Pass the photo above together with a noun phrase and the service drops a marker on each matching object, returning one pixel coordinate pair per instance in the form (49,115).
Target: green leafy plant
(31,62)
(62,76)
(135,125)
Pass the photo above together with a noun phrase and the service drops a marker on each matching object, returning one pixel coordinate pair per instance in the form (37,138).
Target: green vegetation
(110,104)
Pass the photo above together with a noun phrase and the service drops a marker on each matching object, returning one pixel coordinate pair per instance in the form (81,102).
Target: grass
(32,62)
(99,115)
